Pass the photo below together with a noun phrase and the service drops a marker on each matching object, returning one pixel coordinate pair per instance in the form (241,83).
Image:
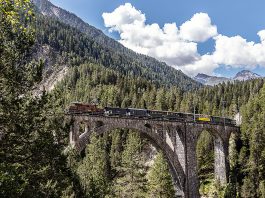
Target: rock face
(214,80)
(238,119)
(246,75)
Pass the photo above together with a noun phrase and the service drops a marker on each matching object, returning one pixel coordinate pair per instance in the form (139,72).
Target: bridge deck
(148,118)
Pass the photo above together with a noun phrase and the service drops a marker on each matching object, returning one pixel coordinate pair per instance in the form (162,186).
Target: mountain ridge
(142,65)
(246,75)
(243,75)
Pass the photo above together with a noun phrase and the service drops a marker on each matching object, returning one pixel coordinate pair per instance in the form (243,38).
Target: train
(92,109)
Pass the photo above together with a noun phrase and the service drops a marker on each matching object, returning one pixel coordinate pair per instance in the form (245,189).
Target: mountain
(246,75)
(71,42)
(214,80)
(46,8)
(210,80)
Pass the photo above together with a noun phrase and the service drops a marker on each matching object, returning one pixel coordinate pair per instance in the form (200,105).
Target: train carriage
(222,120)
(216,119)
(82,108)
(139,113)
(169,115)
(155,114)
(115,111)
(189,117)
(202,118)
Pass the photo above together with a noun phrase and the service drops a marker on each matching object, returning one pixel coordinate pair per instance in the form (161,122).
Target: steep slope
(74,42)
(46,8)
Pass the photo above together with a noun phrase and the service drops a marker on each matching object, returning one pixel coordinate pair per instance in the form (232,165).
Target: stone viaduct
(176,139)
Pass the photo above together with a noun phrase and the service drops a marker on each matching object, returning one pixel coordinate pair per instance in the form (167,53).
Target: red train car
(78,107)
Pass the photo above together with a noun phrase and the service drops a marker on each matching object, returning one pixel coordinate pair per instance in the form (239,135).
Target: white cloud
(238,52)
(199,28)
(261,34)
(178,46)
(122,16)
(165,44)
(206,64)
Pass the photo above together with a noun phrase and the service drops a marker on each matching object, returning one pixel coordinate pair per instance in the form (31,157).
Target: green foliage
(116,149)
(159,180)
(93,169)
(205,156)
(253,137)
(132,181)
(74,47)
(33,133)
(30,149)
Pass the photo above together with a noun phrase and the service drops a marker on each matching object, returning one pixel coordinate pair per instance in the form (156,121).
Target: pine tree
(205,162)
(160,183)
(116,148)
(93,169)
(132,180)
(30,153)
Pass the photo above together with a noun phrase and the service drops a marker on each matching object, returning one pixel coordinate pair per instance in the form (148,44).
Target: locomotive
(91,109)
(80,108)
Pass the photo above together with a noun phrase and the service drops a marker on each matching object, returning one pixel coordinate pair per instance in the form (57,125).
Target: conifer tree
(30,150)
(93,169)
(160,183)
(116,149)
(132,181)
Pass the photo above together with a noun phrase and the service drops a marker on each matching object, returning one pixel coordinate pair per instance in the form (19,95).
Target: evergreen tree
(93,169)
(160,183)
(31,161)
(116,149)
(132,181)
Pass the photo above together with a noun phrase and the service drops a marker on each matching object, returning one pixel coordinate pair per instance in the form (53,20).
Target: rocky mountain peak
(213,80)
(246,75)
(201,75)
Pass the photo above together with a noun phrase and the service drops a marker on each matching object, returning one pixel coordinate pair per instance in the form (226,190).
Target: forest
(35,157)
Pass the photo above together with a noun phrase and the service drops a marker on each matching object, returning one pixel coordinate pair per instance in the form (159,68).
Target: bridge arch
(154,137)
(220,136)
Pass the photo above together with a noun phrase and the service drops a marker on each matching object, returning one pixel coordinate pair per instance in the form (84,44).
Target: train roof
(138,109)
(82,103)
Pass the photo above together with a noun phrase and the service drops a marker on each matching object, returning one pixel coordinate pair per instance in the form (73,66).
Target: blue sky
(231,18)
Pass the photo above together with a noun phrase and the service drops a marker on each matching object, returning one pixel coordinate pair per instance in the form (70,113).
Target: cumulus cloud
(261,34)
(199,28)
(177,46)
(206,64)
(123,16)
(149,39)
(238,52)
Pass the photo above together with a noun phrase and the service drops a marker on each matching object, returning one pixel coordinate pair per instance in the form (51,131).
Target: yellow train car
(204,119)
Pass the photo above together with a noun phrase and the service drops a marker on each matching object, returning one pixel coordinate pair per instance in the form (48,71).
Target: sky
(197,36)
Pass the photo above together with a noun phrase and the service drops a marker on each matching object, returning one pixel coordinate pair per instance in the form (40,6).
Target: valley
(54,59)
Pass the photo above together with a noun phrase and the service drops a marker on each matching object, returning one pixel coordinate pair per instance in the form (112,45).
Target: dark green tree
(30,150)
(160,183)
(93,169)
(132,181)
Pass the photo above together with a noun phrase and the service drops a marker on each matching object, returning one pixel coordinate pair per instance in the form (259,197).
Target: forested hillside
(91,82)
(70,47)
(35,158)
